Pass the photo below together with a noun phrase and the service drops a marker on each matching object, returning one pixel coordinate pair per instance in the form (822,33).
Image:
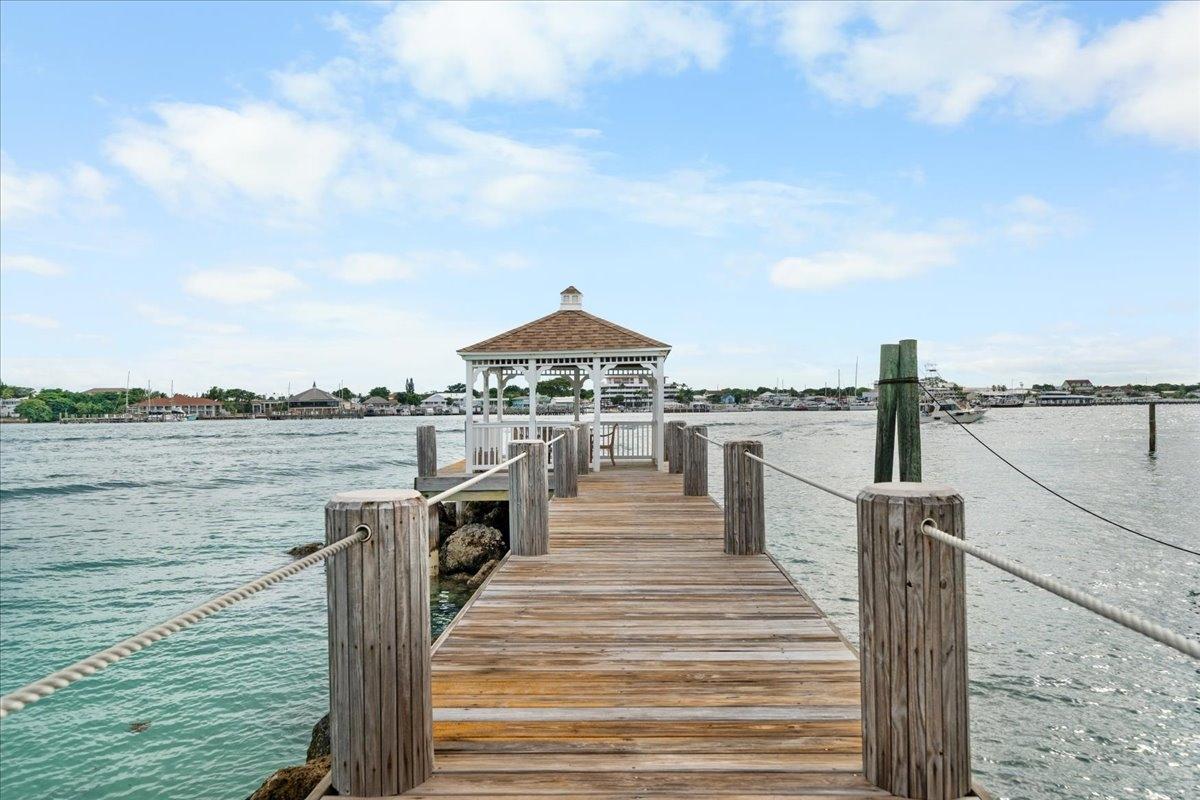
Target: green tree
(215,393)
(685,395)
(35,410)
(379,391)
(555,387)
(8,392)
(455,388)
(344,394)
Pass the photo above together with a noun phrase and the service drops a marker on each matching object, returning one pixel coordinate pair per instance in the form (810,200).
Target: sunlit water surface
(107,529)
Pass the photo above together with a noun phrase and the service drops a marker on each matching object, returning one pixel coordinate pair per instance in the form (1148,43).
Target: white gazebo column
(469,418)
(531,377)
(597,379)
(658,415)
(487,400)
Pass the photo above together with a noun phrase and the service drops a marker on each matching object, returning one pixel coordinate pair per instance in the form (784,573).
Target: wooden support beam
(913,642)
(745,519)
(380,699)
(695,461)
(528,499)
(426,451)
(885,412)
(566,463)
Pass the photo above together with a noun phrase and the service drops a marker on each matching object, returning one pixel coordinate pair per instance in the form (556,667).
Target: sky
(270,195)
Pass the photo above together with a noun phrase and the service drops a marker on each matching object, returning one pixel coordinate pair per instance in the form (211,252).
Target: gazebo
(578,346)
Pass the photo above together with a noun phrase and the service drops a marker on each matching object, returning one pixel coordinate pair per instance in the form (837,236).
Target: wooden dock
(638,660)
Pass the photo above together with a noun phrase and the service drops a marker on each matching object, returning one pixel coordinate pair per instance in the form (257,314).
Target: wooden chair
(608,442)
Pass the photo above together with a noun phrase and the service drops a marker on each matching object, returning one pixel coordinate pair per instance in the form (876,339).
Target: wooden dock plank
(638,660)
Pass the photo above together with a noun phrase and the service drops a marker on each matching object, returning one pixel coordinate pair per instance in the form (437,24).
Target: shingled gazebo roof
(566,330)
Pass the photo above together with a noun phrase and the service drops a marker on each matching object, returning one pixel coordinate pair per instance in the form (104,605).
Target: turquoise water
(107,529)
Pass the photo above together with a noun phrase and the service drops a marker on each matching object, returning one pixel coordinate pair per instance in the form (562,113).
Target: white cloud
(372,268)
(319,90)
(519,51)
(240,285)
(31,264)
(951,59)
(160,316)
(26,194)
(33,320)
(1031,220)
(1054,355)
(204,153)
(878,256)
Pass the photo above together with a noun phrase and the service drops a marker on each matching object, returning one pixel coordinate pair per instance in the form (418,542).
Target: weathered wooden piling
(695,461)
(885,412)
(426,451)
(380,700)
(913,642)
(671,445)
(745,518)
(566,463)
(583,446)
(908,412)
(1153,430)
(528,499)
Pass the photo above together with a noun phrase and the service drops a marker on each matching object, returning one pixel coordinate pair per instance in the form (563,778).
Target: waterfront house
(1078,386)
(1065,399)
(314,402)
(376,406)
(179,405)
(8,406)
(106,390)
(580,347)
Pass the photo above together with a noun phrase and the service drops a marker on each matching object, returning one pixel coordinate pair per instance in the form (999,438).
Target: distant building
(1065,399)
(179,405)
(8,406)
(1078,386)
(106,390)
(314,402)
(376,406)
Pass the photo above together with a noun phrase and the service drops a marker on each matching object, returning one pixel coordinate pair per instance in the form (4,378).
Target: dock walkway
(638,660)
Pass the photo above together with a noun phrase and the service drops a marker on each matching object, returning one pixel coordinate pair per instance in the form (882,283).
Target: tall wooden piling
(671,444)
(380,700)
(885,412)
(426,451)
(908,412)
(528,499)
(745,518)
(695,461)
(913,642)
(566,463)
(1153,430)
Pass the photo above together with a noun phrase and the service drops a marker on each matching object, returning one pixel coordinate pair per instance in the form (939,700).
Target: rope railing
(39,689)
(437,498)
(1127,619)
(555,439)
(705,438)
(802,479)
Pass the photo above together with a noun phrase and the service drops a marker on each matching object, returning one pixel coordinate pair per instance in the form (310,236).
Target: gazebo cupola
(581,347)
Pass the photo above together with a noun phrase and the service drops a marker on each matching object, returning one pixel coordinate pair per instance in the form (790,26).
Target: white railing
(632,440)
(490,440)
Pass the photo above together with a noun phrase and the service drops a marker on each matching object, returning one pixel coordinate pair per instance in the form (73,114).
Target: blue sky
(265,195)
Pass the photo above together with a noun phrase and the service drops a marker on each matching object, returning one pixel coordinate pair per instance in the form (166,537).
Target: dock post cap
(376,496)
(909,489)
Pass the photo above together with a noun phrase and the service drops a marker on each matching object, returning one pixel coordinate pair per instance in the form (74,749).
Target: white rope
(812,483)
(1128,619)
(15,701)
(437,498)
(555,439)
(705,438)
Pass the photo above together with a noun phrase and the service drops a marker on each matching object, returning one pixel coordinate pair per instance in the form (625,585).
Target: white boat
(946,402)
